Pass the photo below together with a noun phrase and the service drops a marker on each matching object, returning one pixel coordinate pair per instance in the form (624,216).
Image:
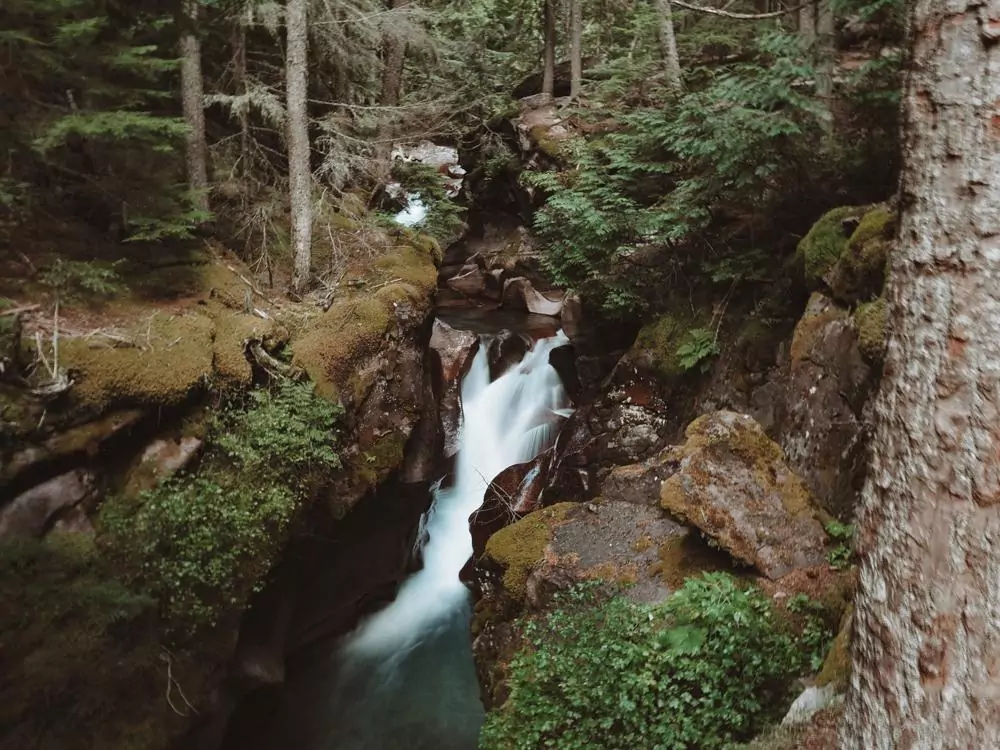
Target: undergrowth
(712,665)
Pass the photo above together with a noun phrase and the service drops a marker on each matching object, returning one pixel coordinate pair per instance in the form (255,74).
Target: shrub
(284,433)
(708,667)
(199,547)
(203,544)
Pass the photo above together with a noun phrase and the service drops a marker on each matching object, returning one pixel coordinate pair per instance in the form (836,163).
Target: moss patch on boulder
(860,271)
(872,320)
(820,249)
(819,314)
(837,665)
(162,369)
(521,546)
(656,345)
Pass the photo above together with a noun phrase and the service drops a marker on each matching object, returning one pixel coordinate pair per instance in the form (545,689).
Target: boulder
(822,429)
(469,281)
(85,439)
(453,350)
(734,484)
(563,361)
(31,512)
(520,294)
(161,459)
(640,483)
(506,350)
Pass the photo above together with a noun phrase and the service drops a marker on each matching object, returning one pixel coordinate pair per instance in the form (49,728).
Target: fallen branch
(16,310)
(172,683)
(272,366)
(738,16)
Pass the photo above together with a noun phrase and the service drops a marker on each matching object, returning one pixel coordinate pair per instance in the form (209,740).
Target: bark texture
(193,106)
(824,51)
(575,47)
(549,51)
(668,45)
(926,652)
(394,55)
(299,173)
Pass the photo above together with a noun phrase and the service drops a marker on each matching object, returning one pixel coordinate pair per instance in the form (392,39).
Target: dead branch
(738,16)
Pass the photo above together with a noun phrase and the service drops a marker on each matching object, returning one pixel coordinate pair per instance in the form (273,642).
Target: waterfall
(406,677)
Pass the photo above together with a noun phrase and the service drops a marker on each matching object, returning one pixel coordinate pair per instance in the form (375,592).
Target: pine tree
(299,172)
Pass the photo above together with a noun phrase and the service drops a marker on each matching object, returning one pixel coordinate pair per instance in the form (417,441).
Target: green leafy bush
(710,666)
(842,535)
(286,432)
(201,544)
(200,548)
(697,348)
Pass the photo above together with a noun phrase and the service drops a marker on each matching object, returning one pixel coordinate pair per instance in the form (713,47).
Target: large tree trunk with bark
(193,106)
(299,172)
(575,47)
(240,76)
(668,45)
(393,61)
(926,651)
(549,50)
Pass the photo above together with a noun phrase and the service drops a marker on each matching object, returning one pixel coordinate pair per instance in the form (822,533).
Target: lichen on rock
(734,485)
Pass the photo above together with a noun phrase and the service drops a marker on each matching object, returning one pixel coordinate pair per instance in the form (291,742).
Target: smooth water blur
(405,679)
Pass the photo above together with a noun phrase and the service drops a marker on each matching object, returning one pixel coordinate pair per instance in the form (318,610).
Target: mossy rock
(171,358)
(820,313)
(544,142)
(657,343)
(336,343)
(375,463)
(860,271)
(822,247)
(836,669)
(518,548)
(872,319)
(232,332)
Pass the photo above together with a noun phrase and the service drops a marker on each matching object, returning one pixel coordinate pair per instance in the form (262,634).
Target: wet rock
(563,360)
(454,349)
(30,512)
(161,460)
(471,282)
(572,315)
(512,494)
(520,294)
(73,520)
(734,484)
(506,350)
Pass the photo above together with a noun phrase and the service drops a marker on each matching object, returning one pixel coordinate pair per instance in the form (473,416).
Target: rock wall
(130,409)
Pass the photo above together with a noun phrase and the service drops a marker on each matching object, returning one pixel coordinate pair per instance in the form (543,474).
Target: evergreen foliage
(710,666)
(202,543)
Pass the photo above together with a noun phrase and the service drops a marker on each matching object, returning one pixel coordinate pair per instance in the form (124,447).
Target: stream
(405,678)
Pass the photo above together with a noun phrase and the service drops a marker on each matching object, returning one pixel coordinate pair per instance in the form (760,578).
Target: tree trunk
(575,48)
(193,106)
(926,665)
(807,22)
(240,75)
(394,50)
(393,60)
(824,53)
(668,45)
(299,172)
(549,52)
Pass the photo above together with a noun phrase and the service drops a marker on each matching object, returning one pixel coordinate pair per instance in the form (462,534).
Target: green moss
(837,665)
(378,461)
(350,331)
(172,358)
(545,142)
(657,344)
(872,320)
(741,436)
(860,271)
(825,243)
(232,331)
(521,546)
(412,264)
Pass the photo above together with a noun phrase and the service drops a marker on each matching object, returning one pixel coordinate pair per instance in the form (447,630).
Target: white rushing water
(505,422)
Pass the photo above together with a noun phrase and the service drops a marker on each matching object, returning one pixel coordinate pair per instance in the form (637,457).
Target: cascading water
(405,678)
